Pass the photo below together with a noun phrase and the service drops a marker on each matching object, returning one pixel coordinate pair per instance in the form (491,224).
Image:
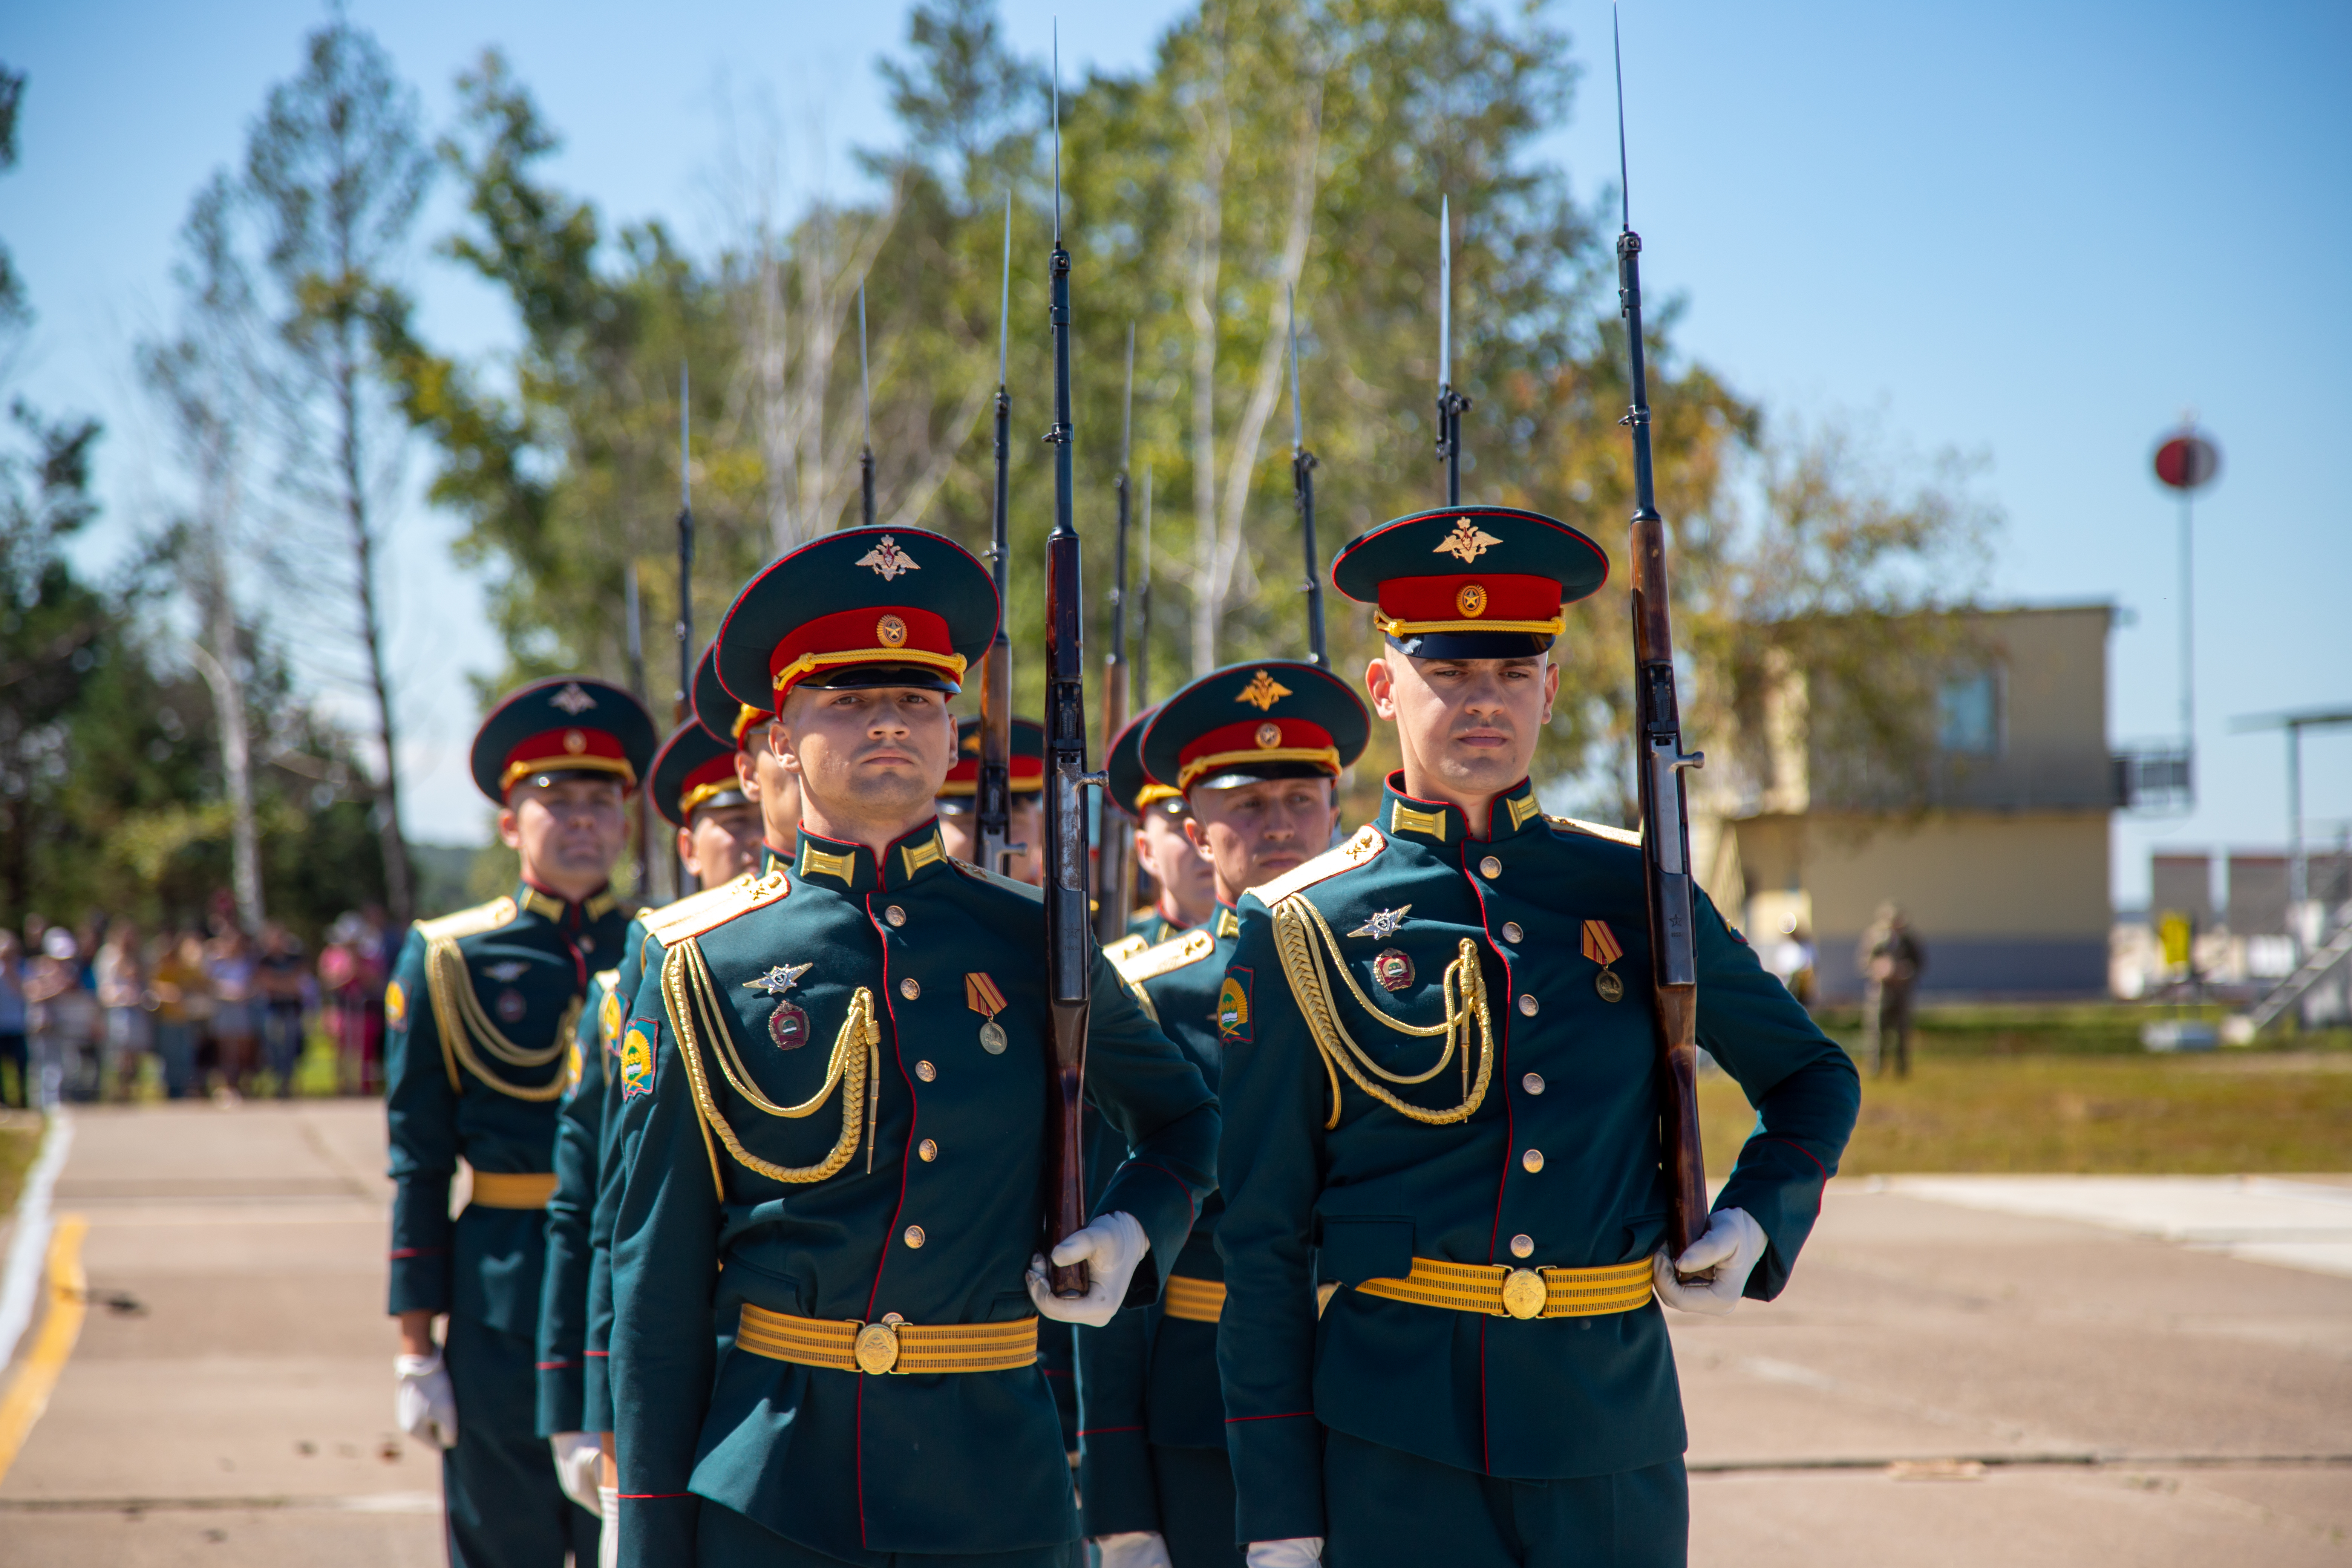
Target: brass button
(1532,1159)
(914,1235)
(1490,868)
(1523,1294)
(1528,1003)
(894,915)
(910,988)
(1523,1246)
(1533,1083)
(1512,931)
(926,1071)
(928,1149)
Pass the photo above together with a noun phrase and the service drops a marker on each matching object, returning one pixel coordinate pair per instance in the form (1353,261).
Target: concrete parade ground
(2007,1371)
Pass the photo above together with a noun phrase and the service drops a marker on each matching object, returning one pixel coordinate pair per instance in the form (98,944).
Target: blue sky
(2032,233)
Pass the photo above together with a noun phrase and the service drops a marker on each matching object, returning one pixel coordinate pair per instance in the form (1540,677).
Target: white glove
(1110,1248)
(608,1542)
(578,1462)
(426,1406)
(1133,1549)
(1298,1551)
(1721,1262)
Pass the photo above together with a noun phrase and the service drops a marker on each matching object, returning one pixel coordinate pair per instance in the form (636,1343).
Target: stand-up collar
(1441,822)
(851,867)
(559,912)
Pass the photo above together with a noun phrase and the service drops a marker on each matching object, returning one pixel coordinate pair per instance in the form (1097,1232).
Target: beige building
(1998,856)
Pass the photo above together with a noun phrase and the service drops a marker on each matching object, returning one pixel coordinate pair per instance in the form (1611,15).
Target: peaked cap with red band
(862,607)
(1470,582)
(694,769)
(717,711)
(567,726)
(1028,769)
(1132,790)
(1273,719)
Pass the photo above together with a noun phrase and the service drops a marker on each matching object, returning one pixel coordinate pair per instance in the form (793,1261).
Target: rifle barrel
(1302,489)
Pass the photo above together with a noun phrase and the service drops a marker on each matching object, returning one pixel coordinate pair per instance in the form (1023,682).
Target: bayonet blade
(1624,186)
(1445,292)
(865,379)
(1127,411)
(1005,293)
(1057,132)
(1297,419)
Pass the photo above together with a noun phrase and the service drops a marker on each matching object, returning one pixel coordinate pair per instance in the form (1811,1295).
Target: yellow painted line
(28,1396)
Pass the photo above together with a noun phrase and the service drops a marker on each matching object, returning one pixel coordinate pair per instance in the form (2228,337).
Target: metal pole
(2298,875)
(2187,633)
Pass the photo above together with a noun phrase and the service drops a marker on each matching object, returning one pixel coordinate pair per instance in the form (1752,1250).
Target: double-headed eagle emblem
(888,559)
(1467,541)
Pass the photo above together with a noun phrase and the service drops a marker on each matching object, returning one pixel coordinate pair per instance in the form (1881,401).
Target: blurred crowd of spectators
(106,1012)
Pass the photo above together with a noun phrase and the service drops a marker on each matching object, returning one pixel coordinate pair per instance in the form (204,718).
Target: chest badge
(788,1025)
(1382,925)
(779,980)
(1393,969)
(981,996)
(506,973)
(511,1006)
(1602,947)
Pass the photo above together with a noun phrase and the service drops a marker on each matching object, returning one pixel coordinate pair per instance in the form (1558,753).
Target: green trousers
(1387,1508)
(1196,1506)
(725,1539)
(504,1508)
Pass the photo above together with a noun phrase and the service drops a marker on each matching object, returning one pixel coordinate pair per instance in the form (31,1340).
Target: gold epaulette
(1167,958)
(1614,835)
(1127,947)
(498,912)
(714,907)
(1357,851)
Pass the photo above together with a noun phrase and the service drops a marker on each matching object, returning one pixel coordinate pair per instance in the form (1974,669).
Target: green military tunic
(563,1298)
(1153,927)
(1538,932)
(931,1214)
(481,1008)
(1152,1436)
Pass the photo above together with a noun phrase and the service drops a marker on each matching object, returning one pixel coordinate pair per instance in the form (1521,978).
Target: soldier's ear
(1551,687)
(510,827)
(1381,681)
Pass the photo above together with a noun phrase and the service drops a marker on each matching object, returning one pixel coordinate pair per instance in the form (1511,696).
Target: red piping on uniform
(596,1352)
(905,1165)
(650,1497)
(550,1365)
(1149,1165)
(1808,1154)
(1510,1133)
(419,1251)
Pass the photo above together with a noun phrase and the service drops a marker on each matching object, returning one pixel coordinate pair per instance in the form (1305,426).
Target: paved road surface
(2049,1391)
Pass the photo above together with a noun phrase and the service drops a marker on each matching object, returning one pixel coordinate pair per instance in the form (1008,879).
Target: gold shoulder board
(1127,947)
(1357,851)
(498,912)
(714,907)
(1167,958)
(1595,830)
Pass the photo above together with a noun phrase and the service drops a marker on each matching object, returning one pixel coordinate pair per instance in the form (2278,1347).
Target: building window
(1969,714)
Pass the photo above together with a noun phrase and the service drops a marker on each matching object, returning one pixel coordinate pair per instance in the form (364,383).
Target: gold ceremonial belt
(1518,1293)
(1194,1301)
(512,1190)
(848,1345)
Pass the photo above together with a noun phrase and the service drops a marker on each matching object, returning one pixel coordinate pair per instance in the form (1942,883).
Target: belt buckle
(1523,1293)
(877,1348)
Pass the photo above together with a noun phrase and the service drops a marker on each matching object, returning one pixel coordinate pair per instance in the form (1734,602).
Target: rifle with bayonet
(993,792)
(1114,854)
(866,397)
(1139,697)
(683,709)
(1302,490)
(1451,404)
(1658,740)
(1069,935)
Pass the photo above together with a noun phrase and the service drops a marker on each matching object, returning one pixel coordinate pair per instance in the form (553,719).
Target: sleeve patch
(571,1072)
(638,1058)
(1234,1007)
(396,1005)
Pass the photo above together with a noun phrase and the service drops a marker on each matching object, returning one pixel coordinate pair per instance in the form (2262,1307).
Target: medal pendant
(1611,989)
(788,1027)
(1393,969)
(991,1037)
(511,1006)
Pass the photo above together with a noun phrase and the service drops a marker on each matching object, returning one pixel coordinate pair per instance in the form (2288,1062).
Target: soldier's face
(868,760)
(1468,726)
(1163,847)
(1253,833)
(722,843)
(760,769)
(566,832)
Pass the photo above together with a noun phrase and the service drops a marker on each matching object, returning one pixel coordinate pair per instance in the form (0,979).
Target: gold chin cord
(1302,936)
(457,1013)
(692,1002)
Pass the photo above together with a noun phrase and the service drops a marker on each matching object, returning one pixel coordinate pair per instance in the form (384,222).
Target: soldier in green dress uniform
(960,828)
(838,1079)
(1441,1122)
(1256,748)
(1183,891)
(695,789)
(481,1010)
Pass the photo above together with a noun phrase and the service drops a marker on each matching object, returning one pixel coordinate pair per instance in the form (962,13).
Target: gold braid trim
(1298,926)
(459,1016)
(693,1005)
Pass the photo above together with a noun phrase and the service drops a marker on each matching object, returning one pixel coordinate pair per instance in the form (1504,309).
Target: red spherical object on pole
(2187,461)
